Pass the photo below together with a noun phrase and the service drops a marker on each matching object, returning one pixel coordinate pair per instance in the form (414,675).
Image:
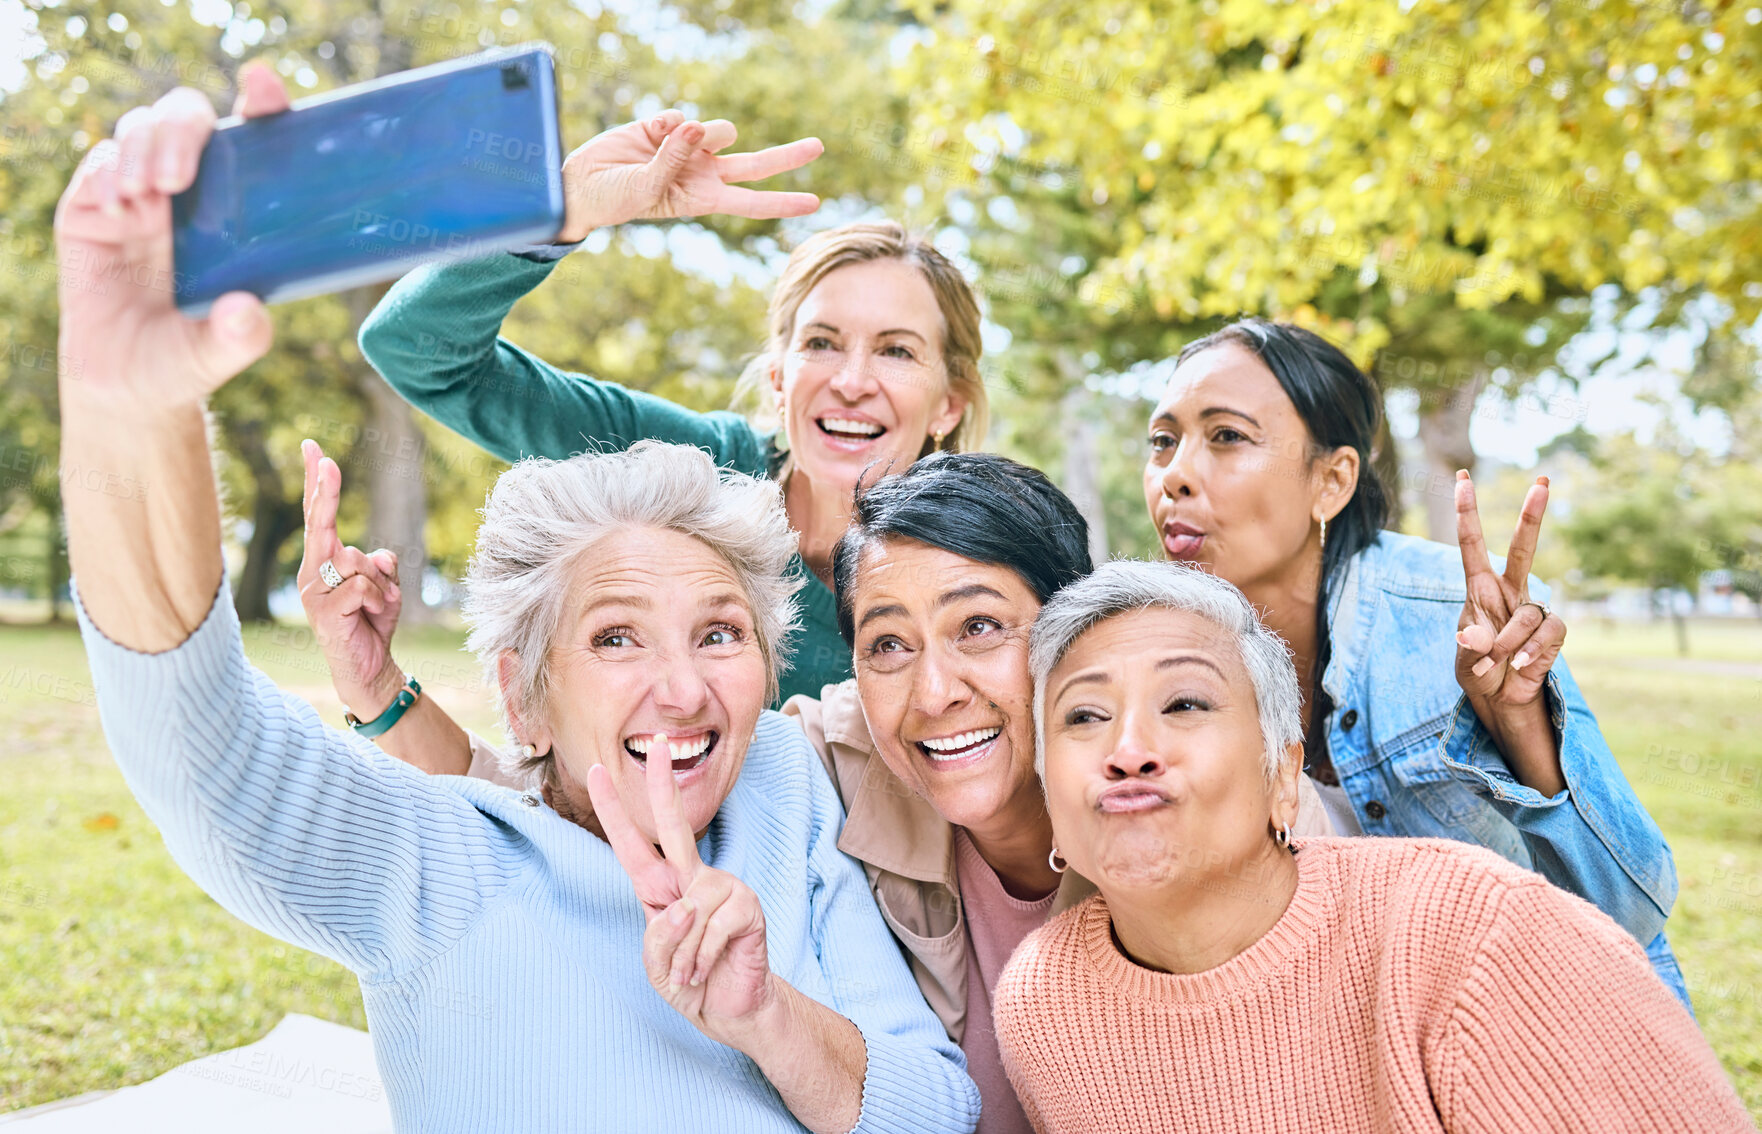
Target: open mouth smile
(968,745)
(689,752)
(849,433)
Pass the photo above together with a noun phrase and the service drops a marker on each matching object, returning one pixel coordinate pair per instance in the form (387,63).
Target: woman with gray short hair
(632,609)
(1231,977)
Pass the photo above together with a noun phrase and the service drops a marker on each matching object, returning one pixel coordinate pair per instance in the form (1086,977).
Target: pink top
(1411,984)
(996,924)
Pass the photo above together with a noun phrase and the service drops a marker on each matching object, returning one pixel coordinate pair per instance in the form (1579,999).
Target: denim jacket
(1415,760)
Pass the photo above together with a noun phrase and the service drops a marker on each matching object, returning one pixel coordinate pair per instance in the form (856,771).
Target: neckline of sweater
(1294,932)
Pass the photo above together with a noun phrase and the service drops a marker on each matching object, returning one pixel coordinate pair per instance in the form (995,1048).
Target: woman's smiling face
(941,660)
(658,638)
(863,380)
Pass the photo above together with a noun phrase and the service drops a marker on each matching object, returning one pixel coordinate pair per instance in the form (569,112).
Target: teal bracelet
(394,712)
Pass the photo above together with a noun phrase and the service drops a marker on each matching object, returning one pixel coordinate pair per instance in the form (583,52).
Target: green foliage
(1644,518)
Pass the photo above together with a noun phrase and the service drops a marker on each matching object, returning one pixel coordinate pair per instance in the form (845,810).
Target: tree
(1646,517)
(1424,182)
(625,314)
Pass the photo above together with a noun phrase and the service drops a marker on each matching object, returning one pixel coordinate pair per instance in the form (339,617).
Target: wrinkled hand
(122,338)
(353,623)
(705,944)
(665,167)
(1504,644)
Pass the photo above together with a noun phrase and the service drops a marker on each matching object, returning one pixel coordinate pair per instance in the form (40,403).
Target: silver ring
(1541,606)
(328,572)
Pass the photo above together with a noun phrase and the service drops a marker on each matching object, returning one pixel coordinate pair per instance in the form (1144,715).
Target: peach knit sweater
(1412,985)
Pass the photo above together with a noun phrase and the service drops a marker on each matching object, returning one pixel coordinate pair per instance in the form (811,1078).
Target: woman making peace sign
(1434,701)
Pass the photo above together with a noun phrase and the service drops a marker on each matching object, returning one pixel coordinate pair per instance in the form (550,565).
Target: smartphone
(455,160)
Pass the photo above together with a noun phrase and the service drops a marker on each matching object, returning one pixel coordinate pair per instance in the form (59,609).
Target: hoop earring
(1059,865)
(1282,836)
(1324,533)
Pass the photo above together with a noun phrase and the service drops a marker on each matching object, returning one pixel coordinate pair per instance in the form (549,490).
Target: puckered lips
(689,751)
(1182,541)
(849,431)
(1131,796)
(960,749)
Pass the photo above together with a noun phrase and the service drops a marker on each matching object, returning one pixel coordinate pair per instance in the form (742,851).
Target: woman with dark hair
(1434,698)
(938,580)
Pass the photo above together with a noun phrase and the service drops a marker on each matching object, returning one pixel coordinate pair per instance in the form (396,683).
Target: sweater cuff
(1474,760)
(204,655)
(545,253)
(901,1094)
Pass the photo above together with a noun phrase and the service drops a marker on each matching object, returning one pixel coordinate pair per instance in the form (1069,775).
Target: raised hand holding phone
(704,949)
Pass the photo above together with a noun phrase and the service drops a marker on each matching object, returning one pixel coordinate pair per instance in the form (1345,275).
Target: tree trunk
(389,458)
(1444,419)
(1681,626)
(273,519)
(55,558)
(1082,476)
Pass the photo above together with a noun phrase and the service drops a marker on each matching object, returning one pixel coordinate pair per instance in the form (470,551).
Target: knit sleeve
(306,832)
(1561,1025)
(434,337)
(916,1078)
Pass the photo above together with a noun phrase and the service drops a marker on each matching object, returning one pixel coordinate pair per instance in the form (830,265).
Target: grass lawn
(117,968)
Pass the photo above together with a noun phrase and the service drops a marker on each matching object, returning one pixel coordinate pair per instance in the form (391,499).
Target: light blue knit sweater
(498,944)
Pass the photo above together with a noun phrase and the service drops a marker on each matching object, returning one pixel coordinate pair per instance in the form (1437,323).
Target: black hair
(1341,406)
(984,507)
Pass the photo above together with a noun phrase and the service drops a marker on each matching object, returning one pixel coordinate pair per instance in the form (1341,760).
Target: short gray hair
(542,514)
(1123,587)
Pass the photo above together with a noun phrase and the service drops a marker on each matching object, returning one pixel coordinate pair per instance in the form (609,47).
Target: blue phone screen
(363,187)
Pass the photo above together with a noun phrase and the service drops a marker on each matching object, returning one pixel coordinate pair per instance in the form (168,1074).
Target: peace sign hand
(666,166)
(704,949)
(1506,643)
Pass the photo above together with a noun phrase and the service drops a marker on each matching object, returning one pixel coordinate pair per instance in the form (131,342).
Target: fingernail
(1522,659)
(1462,638)
(1482,666)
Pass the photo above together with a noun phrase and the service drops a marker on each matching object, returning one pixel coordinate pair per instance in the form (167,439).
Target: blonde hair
(835,248)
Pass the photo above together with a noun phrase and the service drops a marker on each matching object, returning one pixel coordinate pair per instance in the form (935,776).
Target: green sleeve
(435,338)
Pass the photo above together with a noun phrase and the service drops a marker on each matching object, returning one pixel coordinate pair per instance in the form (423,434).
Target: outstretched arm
(435,335)
(303,831)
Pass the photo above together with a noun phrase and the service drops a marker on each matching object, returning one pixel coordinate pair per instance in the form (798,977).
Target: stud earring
(528,751)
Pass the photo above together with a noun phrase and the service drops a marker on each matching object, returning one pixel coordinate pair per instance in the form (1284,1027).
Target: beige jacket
(907,848)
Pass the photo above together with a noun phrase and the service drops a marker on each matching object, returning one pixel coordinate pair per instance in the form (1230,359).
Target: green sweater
(435,338)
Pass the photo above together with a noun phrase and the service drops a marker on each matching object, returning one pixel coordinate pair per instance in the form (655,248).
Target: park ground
(116,968)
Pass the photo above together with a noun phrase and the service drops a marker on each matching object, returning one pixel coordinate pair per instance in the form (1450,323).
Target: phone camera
(514,77)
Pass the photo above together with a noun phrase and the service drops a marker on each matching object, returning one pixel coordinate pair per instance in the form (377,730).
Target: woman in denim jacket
(1435,700)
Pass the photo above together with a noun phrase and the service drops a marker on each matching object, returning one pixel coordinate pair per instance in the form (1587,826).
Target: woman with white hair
(1230,977)
(633,608)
